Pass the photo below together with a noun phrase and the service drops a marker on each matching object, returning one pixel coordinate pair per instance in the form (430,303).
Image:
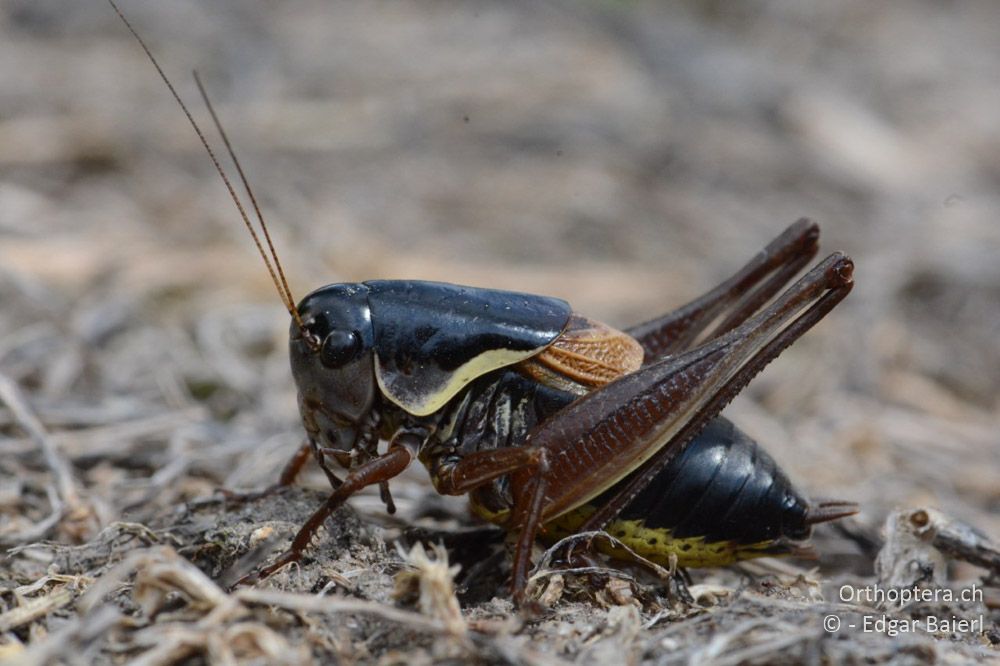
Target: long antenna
(246,185)
(280,285)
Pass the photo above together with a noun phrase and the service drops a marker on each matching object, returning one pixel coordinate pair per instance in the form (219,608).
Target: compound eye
(339,348)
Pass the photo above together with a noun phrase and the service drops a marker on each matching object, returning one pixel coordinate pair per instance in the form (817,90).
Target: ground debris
(624,156)
(431,581)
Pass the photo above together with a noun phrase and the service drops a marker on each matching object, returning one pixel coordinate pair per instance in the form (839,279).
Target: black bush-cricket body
(634,401)
(436,359)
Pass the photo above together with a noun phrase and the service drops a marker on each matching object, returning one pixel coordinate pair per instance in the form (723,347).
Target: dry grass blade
(69,502)
(74,641)
(767,650)
(307,603)
(567,543)
(434,582)
(10,395)
(33,609)
(159,571)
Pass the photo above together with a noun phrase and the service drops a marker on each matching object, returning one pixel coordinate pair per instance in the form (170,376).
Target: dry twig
(67,501)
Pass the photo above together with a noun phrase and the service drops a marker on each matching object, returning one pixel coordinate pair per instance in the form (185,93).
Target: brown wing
(588,354)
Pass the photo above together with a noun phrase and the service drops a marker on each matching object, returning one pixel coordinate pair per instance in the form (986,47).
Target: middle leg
(460,476)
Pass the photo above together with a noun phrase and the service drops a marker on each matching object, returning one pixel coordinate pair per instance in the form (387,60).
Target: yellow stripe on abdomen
(657,544)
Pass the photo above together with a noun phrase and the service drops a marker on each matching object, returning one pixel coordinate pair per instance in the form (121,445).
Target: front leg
(294,466)
(378,470)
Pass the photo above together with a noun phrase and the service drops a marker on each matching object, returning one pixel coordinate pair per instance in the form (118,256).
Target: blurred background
(625,156)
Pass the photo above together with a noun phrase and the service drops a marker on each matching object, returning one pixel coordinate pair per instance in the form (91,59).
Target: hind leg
(639,422)
(735,300)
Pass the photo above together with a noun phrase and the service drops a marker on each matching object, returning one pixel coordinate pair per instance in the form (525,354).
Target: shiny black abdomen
(723,487)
